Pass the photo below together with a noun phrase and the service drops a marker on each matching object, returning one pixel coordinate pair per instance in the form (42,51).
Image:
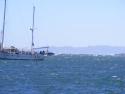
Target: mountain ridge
(95,50)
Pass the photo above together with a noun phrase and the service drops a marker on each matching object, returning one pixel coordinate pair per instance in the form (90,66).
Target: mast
(32,30)
(4,19)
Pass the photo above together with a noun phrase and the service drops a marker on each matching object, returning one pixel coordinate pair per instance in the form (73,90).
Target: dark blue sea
(64,74)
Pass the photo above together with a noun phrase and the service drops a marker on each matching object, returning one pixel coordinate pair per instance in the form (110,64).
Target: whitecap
(114,76)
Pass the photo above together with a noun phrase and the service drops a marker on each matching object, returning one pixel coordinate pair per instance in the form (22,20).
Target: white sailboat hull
(9,56)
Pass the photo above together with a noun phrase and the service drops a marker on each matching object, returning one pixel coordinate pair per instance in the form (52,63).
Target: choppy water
(64,74)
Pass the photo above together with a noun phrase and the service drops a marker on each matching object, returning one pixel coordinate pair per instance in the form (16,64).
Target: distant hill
(96,50)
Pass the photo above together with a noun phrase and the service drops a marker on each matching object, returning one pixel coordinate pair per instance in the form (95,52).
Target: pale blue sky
(65,22)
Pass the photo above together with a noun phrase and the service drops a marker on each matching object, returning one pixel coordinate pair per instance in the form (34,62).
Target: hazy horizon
(75,23)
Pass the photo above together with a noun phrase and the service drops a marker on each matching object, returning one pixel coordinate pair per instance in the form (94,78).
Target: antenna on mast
(4,19)
(32,29)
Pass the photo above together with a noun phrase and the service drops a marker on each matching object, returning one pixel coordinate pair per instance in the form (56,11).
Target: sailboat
(13,53)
